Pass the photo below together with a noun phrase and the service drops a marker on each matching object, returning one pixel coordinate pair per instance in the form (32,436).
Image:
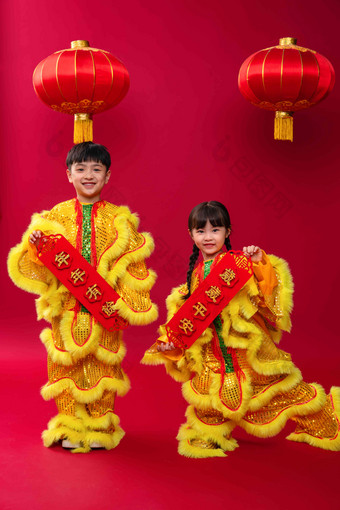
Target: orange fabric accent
(173,355)
(32,253)
(265,275)
(260,321)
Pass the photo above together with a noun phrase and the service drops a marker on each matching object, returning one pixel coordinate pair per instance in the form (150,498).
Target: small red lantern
(285,79)
(81,81)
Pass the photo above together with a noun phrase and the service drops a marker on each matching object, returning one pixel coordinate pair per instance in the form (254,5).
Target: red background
(182,135)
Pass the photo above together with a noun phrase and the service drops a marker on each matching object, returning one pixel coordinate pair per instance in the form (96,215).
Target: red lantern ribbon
(225,280)
(81,279)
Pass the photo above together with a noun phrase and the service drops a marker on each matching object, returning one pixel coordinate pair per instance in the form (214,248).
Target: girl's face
(209,239)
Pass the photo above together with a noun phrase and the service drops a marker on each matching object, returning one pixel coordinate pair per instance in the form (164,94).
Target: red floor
(145,471)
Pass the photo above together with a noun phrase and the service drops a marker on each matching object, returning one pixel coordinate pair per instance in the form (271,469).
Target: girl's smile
(210,239)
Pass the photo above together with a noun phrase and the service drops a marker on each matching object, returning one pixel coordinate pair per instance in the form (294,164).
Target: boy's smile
(88,179)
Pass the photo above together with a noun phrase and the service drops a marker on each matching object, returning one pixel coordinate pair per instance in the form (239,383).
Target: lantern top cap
(80,44)
(285,41)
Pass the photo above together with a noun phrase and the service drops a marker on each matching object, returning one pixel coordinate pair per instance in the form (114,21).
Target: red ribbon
(223,283)
(81,279)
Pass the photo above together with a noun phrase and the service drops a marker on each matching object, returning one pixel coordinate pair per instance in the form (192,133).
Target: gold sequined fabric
(201,382)
(210,416)
(84,357)
(323,424)
(138,270)
(269,351)
(266,389)
(230,392)
(302,393)
(200,443)
(138,301)
(31,270)
(102,406)
(84,373)
(65,403)
(82,327)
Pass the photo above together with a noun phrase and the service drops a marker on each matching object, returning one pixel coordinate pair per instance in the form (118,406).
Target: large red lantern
(81,81)
(285,79)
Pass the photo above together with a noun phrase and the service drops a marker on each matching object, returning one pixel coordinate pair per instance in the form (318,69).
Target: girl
(221,343)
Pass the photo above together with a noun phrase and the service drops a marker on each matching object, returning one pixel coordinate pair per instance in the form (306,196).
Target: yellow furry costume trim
(121,265)
(52,390)
(199,440)
(280,386)
(218,433)
(135,317)
(66,333)
(271,428)
(63,357)
(213,399)
(83,358)
(139,283)
(84,430)
(326,443)
(43,282)
(57,355)
(195,452)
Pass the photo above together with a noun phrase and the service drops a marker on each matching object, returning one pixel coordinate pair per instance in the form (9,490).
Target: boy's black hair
(88,151)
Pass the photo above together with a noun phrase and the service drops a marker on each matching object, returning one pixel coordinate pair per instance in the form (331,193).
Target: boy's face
(88,179)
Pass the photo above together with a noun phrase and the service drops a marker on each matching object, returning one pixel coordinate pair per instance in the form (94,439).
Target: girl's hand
(254,252)
(35,237)
(166,346)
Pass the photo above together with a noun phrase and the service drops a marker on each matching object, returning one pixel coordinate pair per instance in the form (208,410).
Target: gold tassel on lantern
(283,126)
(83,128)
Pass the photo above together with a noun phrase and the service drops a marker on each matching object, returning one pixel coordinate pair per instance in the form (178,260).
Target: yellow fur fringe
(194,452)
(134,317)
(324,443)
(284,385)
(121,387)
(16,253)
(139,284)
(219,434)
(274,427)
(84,430)
(52,299)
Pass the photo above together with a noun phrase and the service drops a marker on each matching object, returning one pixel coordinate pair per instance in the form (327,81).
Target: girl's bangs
(208,213)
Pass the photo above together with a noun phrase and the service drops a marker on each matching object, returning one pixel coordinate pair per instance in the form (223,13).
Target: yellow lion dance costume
(84,359)
(234,373)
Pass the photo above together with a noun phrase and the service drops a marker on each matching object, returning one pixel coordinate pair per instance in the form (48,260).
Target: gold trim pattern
(85,106)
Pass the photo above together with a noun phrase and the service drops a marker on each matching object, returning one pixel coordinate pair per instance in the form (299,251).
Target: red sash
(197,313)
(81,279)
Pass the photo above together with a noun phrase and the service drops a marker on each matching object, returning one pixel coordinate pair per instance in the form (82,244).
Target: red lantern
(285,79)
(81,81)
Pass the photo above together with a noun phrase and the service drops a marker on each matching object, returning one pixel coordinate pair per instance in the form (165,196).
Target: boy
(84,358)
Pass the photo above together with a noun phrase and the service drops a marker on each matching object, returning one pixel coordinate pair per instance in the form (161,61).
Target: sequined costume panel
(235,375)
(84,359)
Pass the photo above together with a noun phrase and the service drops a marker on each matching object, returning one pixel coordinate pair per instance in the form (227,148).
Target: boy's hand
(254,252)
(166,346)
(35,236)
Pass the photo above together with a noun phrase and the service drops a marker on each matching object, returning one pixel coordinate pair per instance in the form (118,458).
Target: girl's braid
(227,243)
(192,262)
